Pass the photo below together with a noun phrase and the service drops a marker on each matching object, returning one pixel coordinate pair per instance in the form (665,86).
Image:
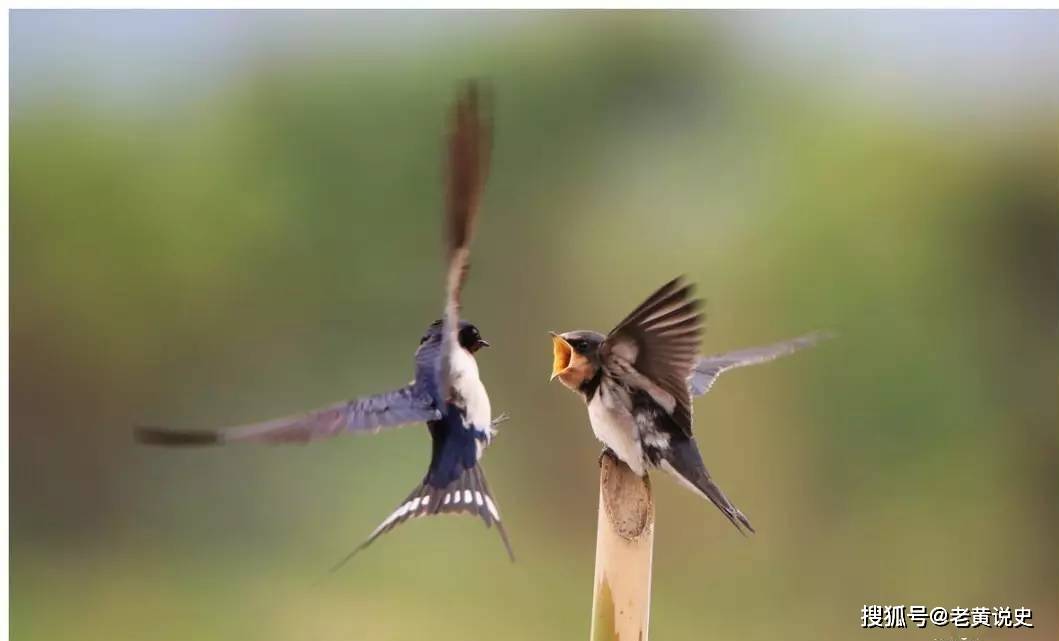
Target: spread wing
(470,139)
(409,404)
(710,367)
(656,346)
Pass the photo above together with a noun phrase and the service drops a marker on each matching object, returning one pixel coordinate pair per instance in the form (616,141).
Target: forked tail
(685,463)
(468,494)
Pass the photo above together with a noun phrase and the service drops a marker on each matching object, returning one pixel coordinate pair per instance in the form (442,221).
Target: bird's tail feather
(685,463)
(468,494)
(717,497)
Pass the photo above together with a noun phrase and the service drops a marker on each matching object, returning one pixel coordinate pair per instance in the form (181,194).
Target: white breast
(464,379)
(615,427)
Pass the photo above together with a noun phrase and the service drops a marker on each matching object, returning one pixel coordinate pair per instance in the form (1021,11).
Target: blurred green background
(220,217)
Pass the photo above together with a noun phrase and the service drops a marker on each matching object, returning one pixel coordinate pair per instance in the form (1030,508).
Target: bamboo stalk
(621,597)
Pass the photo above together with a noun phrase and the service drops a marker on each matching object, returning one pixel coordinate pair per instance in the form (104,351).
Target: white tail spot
(457,497)
(413,504)
(466,496)
(448,497)
(426,500)
(478,497)
(492,507)
(390,519)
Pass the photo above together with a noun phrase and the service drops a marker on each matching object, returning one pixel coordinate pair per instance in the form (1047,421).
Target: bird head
(469,336)
(575,357)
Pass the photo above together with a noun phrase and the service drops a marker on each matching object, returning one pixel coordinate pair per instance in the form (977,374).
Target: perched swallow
(638,380)
(446,393)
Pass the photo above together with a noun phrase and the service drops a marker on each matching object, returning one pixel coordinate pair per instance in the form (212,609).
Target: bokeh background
(219,217)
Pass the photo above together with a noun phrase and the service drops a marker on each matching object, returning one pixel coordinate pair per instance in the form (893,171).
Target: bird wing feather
(708,368)
(369,414)
(659,340)
(469,144)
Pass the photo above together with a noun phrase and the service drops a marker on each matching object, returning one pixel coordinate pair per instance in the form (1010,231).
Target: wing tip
(476,92)
(818,336)
(147,435)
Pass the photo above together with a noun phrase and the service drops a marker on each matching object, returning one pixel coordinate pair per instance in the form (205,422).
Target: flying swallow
(638,381)
(446,393)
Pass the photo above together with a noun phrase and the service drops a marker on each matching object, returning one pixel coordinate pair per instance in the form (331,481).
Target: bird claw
(606,452)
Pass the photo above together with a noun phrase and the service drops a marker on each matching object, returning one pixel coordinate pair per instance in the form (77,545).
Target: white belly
(615,427)
(464,376)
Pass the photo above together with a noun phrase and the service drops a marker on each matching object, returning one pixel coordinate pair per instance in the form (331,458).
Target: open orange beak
(561,355)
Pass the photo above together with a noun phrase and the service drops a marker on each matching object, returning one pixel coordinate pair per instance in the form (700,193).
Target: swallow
(447,392)
(638,381)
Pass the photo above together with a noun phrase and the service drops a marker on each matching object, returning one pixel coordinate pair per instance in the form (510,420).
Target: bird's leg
(606,452)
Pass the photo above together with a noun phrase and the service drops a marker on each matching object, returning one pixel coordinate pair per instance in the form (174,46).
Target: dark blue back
(454,448)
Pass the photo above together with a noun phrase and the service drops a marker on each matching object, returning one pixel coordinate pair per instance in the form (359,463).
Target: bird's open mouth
(561,354)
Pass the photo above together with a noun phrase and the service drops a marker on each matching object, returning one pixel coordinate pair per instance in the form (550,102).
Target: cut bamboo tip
(621,599)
